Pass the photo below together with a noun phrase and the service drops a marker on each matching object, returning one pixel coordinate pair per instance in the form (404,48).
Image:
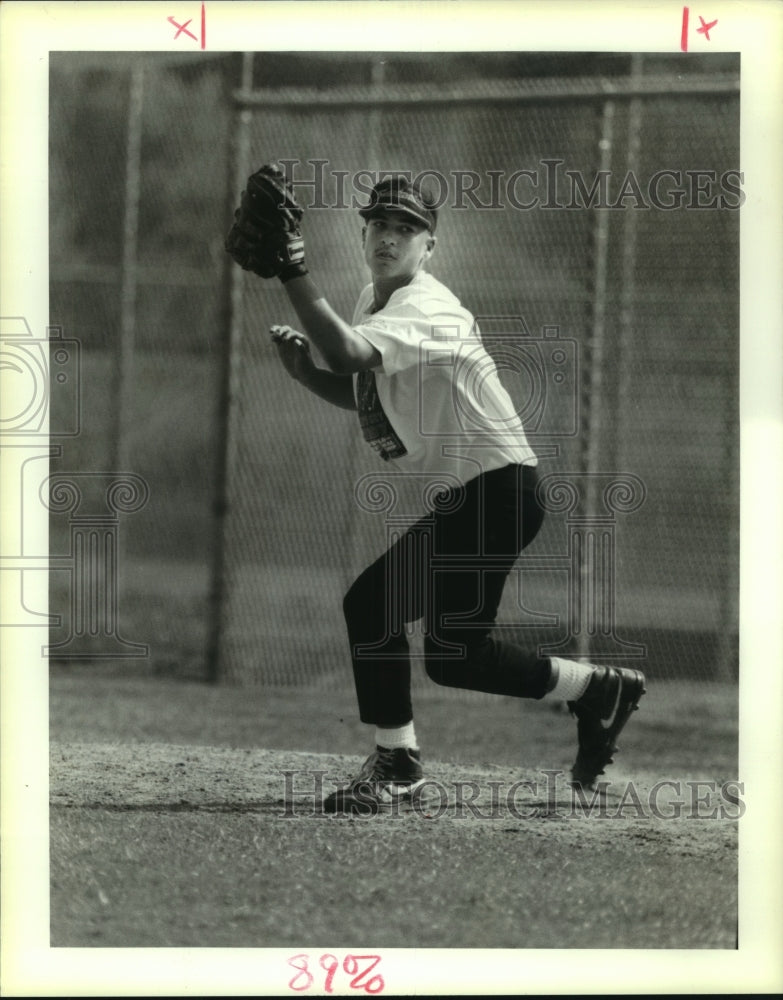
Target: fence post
(130,267)
(595,401)
(728,605)
(229,379)
(591,502)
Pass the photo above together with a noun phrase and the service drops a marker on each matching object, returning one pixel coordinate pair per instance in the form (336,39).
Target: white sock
(402,736)
(572,678)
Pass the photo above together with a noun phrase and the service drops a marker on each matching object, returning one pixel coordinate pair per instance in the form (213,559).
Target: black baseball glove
(265,237)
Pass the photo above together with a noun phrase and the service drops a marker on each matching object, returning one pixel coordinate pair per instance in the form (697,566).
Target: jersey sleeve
(405,335)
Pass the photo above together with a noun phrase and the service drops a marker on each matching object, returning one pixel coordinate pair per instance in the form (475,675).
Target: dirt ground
(184,815)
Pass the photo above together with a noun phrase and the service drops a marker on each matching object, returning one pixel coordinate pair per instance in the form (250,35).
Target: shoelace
(377,765)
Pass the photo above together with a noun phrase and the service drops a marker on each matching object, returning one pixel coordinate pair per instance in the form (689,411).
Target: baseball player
(429,401)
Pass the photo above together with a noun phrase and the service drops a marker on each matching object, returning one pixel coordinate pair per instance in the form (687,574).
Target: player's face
(395,245)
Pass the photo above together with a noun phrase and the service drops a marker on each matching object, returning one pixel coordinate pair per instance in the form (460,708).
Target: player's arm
(265,238)
(344,350)
(335,389)
(294,351)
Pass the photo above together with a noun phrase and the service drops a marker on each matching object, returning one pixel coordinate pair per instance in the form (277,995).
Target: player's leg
(377,607)
(475,547)
(465,594)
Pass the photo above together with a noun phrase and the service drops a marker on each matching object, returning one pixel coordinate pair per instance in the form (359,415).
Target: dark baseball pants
(449,569)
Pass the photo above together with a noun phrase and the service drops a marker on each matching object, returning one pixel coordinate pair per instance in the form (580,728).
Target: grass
(169,825)
(187,879)
(91,704)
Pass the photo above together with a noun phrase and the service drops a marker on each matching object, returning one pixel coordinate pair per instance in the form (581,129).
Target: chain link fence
(139,178)
(237,565)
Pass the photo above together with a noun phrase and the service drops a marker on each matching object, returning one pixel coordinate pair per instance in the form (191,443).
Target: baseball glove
(265,237)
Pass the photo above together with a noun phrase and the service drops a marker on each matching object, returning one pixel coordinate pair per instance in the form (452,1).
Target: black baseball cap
(399,194)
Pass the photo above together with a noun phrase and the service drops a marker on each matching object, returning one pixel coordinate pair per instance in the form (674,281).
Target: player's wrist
(304,375)
(292,271)
(291,256)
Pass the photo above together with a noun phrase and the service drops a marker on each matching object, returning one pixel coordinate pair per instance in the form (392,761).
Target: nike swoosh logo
(394,791)
(606,726)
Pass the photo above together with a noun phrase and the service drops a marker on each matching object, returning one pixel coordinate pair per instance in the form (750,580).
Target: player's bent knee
(351,602)
(437,671)
(441,664)
(358,605)
(446,663)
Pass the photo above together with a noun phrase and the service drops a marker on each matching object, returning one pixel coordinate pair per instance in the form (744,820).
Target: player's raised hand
(265,237)
(294,350)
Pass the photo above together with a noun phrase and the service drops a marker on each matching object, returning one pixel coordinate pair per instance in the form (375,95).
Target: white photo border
(30,31)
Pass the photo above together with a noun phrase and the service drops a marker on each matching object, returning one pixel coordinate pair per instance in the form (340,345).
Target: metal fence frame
(631,90)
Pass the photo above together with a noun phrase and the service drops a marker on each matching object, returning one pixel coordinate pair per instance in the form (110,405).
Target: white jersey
(435,403)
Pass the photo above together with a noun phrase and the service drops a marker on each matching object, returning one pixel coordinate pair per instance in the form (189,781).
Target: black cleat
(601,713)
(386,777)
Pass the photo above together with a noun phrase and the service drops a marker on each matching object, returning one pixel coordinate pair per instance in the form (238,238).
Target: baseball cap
(399,194)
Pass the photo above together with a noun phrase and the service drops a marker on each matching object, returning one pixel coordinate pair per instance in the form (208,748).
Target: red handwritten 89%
(358,967)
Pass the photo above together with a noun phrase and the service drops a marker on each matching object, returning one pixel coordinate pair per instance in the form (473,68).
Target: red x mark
(705,28)
(184,27)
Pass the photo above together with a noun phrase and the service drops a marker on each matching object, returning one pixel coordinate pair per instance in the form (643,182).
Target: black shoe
(602,711)
(386,777)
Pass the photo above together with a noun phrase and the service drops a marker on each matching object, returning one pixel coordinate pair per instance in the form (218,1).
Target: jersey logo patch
(377,431)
